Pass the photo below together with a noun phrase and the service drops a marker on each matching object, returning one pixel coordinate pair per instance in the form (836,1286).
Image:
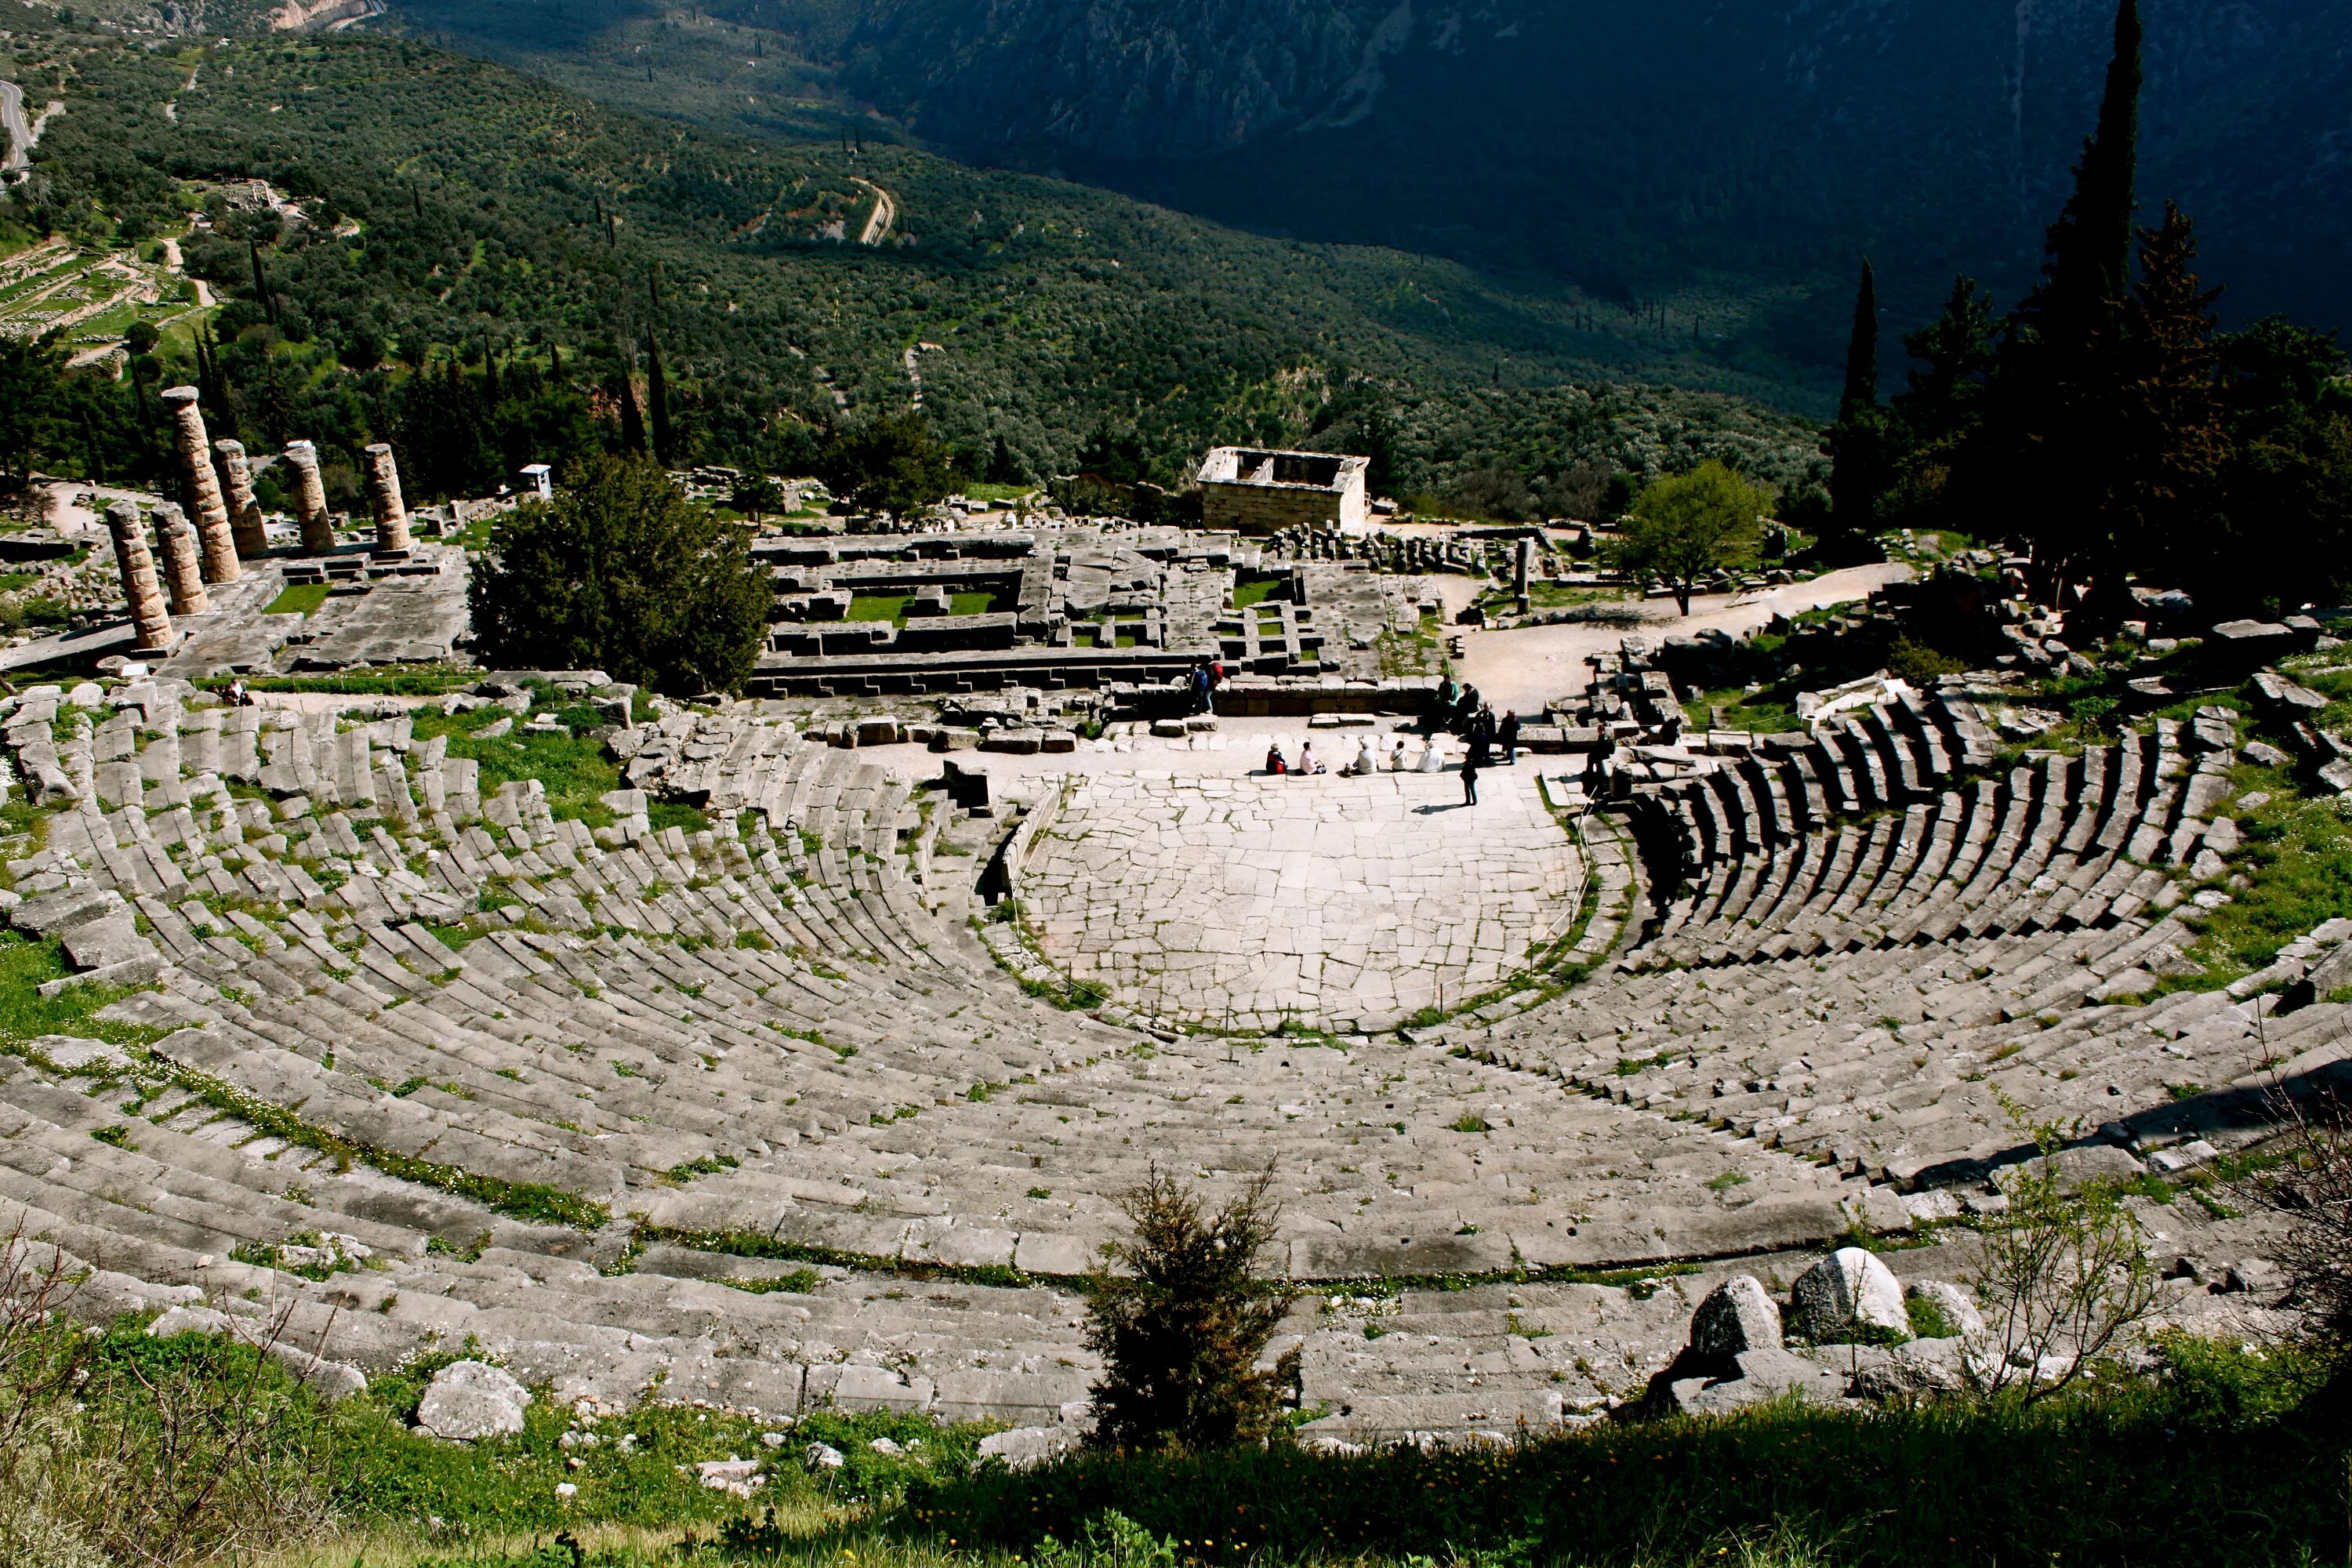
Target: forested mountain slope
(1707,148)
(452,202)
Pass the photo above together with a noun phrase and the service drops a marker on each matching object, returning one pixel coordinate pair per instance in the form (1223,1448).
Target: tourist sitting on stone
(1273,759)
(1431,759)
(1398,761)
(1308,765)
(1366,763)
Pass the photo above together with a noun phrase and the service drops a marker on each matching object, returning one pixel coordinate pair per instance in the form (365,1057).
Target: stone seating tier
(563,1084)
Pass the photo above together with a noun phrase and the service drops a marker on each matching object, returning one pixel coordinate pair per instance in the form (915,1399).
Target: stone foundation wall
(1260,509)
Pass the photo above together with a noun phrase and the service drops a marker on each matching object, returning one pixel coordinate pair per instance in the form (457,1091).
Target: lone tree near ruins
(892,465)
(1685,528)
(1179,1335)
(622,572)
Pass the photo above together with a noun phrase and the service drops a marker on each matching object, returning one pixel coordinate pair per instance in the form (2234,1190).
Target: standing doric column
(212,535)
(383,500)
(1522,563)
(310,498)
(245,524)
(184,573)
(149,619)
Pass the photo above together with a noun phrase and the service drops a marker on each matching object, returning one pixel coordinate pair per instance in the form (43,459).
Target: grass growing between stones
(26,963)
(571,766)
(2299,857)
(297,599)
(428,681)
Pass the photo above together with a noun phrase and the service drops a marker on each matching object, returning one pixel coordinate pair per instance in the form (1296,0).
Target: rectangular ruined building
(1258,492)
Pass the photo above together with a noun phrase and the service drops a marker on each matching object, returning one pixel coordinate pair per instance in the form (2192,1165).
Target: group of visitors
(1366,761)
(1202,681)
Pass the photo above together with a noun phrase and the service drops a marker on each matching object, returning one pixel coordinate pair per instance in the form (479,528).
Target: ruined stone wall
(1260,510)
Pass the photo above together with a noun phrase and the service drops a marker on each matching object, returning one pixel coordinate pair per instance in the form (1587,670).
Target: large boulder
(1847,1291)
(469,1400)
(1922,1369)
(1737,1315)
(1758,1377)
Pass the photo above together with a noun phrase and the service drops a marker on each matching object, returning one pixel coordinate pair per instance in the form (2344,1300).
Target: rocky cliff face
(1617,144)
(1118,78)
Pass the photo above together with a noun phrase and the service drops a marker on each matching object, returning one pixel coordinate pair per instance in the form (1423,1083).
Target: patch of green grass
(1928,1319)
(663,813)
(26,963)
(532,1201)
(297,599)
(2298,855)
(1250,588)
(570,766)
(799,1282)
(879,608)
(427,681)
(978,603)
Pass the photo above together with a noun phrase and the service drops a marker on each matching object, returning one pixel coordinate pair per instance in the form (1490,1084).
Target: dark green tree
(890,465)
(756,495)
(2176,437)
(29,372)
(1003,468)
(2055,445)
(1859,446)
(622,572)
(1181,1331)
(632,424)
(2086,269)
(1939,415)
(657,402)
(1116,457)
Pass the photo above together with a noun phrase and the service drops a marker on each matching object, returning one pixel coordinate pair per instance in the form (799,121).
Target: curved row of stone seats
(1902,1065)
(1771,872)
(179,1212)
(172,1209)
(1393,1160)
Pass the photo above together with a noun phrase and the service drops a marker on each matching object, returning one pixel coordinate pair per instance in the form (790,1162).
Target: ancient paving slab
(401,619)
(1340,902)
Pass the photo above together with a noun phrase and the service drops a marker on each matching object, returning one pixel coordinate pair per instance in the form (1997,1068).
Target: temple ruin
(1251,492)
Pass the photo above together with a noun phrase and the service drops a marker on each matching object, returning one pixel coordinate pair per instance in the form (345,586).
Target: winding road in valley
(12,121)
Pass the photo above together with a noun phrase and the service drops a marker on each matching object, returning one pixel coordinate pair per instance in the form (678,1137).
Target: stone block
(1737,1315)
(868,1388)
(1065,1256)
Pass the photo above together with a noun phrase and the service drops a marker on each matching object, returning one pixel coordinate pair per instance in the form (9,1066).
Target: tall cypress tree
(1861,350)
(632,425)
(261,285)
(2054,452)
(2088,266)
(657,399)
(1861,460)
